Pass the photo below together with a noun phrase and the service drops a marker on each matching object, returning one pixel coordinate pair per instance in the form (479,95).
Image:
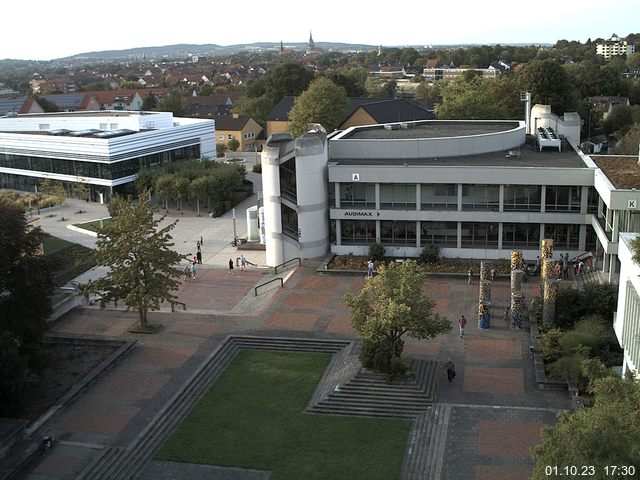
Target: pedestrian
(451,370)
(565,266)
(536,269)
(370,268)
(243,263)
(198,245)
(187,272)
(194,267)
(199,256)
(493,274)
(580,267)
(230,267)
(462,322)
(469,276)
(201,241)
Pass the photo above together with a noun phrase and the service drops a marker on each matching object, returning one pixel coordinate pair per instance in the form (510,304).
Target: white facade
(102,149)
(614,47)
(627,317)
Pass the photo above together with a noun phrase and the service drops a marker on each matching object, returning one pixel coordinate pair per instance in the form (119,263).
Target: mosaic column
(549,305)
(484,314)
(485,271)
(517,276)
(518,306)
(546,272)
(547,248)
(517,261)
(485,290)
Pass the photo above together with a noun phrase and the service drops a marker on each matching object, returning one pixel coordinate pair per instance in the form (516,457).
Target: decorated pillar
(518,306)
(549,305)
(517,261)
(485,290)
(485,271)
(546,251)
(484,314)
(517,276)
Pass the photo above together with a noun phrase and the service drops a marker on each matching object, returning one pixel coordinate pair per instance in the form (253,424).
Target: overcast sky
(44,30)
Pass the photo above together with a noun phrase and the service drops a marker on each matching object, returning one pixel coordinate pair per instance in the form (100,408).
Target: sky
(46,30)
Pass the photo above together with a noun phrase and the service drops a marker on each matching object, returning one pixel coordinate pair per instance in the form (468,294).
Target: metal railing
(286,264)
(255,290)
(173,306)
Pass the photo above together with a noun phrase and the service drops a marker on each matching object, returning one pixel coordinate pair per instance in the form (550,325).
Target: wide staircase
(371,394)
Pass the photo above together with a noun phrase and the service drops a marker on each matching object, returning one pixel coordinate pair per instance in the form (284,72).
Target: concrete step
(358,392)
(363,411)
(106,457)
(420,430)
(392,404)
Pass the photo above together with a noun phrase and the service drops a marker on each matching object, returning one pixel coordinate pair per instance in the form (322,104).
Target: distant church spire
(312,45)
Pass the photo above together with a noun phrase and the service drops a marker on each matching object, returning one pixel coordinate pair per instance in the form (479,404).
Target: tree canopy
(549,84)
(323,102)
(392,304)
(143,269)
(608,433)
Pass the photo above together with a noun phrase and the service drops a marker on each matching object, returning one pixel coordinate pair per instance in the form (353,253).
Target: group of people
(243,264)
(561,267)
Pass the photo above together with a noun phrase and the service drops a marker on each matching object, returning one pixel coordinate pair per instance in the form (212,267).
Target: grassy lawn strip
(66,259)
(94,225)
(253,417)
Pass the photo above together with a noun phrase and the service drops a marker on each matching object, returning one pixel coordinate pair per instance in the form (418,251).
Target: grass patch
(66,259)
(253,417)
(94,225)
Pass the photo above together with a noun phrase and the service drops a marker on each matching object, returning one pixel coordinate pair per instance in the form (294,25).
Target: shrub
(570,368)
(377,355)
(376,252)
(550,349)
(430,254)
(257,168)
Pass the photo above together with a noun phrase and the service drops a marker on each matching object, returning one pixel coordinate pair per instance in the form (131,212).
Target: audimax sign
(361,213)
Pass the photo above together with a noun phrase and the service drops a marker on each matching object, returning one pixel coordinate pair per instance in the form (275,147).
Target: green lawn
(66,259)
(94,225)
(253,417)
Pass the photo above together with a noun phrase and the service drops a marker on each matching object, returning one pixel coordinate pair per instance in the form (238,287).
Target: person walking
(187,272)
(194,268)
(370,268)
(451,370)
(469,276)
(243,263)
(493,274)
(199,256)
(230,267)
(462,322)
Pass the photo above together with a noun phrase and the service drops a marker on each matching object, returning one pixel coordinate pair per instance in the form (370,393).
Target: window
(522,198)
(113,126)
(357,195)
(289,221)
(397,233)
(564,236)
(592,200)
(43,126)
(443,234)
(288,188)
(439,196)
(479,235)
(103,126)
(563,199)
(229,136)
(526,235)
(481,197)
(398,195)
(358,231)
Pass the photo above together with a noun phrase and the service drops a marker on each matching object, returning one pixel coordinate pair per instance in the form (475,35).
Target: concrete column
(582,238)
(459,197)
(500,232)
(336,193)
(418,197)
(338,232)
(501,202)
(377,196)
(543,200)
(459,235)
(584,201)
(418,234)
(377,231)
(615,220)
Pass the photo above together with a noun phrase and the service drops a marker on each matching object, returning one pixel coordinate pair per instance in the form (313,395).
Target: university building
(104,149)
(476,189)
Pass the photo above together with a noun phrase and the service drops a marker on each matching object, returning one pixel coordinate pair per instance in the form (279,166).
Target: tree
(608,433)
(478,99)
(233,144)
(628,144)
(164,187)
(142,267)
(323,102)
(287,79)
(171,103)
(635,250)
(390,89)
(390,305)
(149,103)
(549,85)
(25,303)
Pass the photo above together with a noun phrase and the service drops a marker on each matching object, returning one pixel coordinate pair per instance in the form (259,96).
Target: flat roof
(621,170)
(528,157)
(90,113)
(429,129)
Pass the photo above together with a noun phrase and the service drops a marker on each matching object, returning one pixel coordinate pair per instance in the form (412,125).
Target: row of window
(445,234)
(108,171)
(247,136)
(474,197)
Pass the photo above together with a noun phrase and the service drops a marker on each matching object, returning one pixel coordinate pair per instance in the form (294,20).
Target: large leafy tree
(143,268)
(549,85)
(323,102)
(605,434)
(287,79)
(392,304)
(25,304)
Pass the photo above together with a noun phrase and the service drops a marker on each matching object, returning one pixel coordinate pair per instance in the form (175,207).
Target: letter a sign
(355,177)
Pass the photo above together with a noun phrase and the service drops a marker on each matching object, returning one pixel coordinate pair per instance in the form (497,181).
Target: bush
(430,254)
(570,368)
(257,168)
(376,252)
(550,349)
(376,354)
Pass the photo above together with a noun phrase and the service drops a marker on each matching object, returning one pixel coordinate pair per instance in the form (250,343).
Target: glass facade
(522,235)
(357,194)
(443,234)
(564,236)
(289,221)
(522,198)
(439,196)
(562,199)
(481,197)
(397,232)
(398,196)
(479,235)
(288,188)
(358,231)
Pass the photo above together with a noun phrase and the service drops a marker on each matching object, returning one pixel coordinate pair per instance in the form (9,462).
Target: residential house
(129,100)
(606,103)
(241,127)
(73,102)
(19,105)
(207,106)
(614,47)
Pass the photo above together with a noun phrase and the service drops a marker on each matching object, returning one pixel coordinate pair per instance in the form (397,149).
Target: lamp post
(235,237)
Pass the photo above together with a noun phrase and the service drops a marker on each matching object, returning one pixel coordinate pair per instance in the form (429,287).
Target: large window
(358,231)
(443,234)
(397,233)
(522,198)
(563,199)
(439,196)
(398,195)
(481,197)
(479,235)
(289,221)
(357,195)
(525,235)
(288,188)
(592,200)
(563,236)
